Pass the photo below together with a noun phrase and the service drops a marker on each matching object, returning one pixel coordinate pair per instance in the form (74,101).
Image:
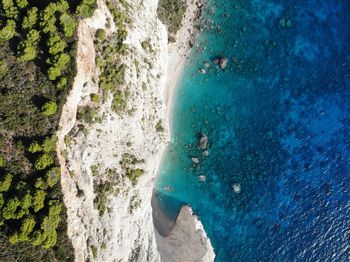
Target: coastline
(179,52)
(173,237)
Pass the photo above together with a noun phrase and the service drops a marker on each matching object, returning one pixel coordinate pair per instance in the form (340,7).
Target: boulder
(236,188)
(202,71)
(223,62)
(195,160)
(203,142)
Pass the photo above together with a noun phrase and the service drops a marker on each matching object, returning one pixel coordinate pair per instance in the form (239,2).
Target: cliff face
(91,156)
(109,163)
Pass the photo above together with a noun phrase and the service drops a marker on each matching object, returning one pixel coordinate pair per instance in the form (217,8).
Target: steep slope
(112,137)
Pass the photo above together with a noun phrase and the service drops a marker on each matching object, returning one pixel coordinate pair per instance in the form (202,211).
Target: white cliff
(91,154)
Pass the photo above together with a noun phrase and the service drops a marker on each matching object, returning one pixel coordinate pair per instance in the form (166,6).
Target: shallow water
(278,122)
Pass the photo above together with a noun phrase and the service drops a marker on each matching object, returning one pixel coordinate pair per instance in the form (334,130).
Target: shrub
(35,147)
(8,31)
(95,98)
(10,10)
(49,144)
(62,83)
(53,176)
(49,108)
(100,34)
(38,200)
(134,174)
(43,162)
(68,24)
(40,183)
(3,68)
(9,211)
(56,44)
(26,201)
(30,19)
(5,183)
(159,126)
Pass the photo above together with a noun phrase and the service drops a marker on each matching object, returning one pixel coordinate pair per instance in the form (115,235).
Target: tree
(8,31)
(26,201)
(10,9)
(54,72)
(43,162)
(27,227)
(100,34)
(86,8)
(68,24)
(49,108)
(5,184)
(35,147)
(49,144)
(62,83)
(56,44)
(22,3)
(53,176)
(27,49)
(38,201)
(9,211)
(30,19)
(40,183)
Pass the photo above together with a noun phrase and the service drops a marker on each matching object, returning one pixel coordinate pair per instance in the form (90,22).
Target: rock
(236,188)
(223,62)
(203,142)
(206,153)
(206,64)
(216,61)
(202,71)
(202,178)
(195,160)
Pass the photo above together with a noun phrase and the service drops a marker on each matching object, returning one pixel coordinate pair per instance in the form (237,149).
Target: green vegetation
(102,190)
(37,41)
(112,71)
(128,164)
(171,12)
(159,126)
(146,44)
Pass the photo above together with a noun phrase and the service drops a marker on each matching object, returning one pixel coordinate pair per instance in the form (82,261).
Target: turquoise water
(278,124)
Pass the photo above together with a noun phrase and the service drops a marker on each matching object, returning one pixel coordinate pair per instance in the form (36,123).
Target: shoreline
(179,52)
(172,235)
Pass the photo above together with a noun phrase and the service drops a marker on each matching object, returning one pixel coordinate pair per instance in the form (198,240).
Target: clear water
(278,123)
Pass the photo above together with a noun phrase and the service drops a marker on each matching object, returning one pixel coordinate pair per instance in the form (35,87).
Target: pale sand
(179,51)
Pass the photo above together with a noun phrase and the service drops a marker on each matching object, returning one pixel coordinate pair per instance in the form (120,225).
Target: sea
(273,183)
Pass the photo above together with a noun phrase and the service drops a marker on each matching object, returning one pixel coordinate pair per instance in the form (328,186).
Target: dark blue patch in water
(278,123)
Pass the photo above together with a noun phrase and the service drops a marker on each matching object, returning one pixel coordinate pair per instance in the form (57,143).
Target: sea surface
(277,120)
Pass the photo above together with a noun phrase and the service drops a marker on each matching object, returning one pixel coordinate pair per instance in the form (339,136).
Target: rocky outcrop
(187,241)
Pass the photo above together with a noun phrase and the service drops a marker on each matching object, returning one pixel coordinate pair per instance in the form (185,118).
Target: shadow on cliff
(164,217)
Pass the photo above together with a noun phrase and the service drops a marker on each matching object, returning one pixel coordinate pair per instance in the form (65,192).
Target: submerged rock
(195,160)
(236,188)
(202,178)
(206,153)
(202,71)
(223,62)
(203,142)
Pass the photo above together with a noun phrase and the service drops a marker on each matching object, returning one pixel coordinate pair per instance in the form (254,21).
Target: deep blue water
(278,123)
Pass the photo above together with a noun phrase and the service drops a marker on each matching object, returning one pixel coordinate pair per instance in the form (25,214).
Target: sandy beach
(179,51)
